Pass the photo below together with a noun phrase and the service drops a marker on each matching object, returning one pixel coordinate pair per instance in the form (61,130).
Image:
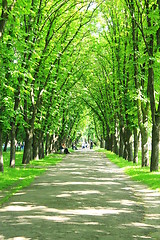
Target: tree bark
(13,147)
(41,145)
(155,148)
(121,142)
(6,143)
(28,146)
(145,153)
(142,108)
(115,144)
(35,146)
(115,138)
(151,88)
(135,159)
(129,145)
(52,143)
(47,146)
(126,151)
(102,142)
(108,144)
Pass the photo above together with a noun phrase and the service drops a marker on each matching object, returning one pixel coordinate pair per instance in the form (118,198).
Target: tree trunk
(27,146)
(52,143)
(47,146)
(35,146)
(115,144)
(155,148)
(151,88)
(13,147)
(142,108)
(121,141)
(155,121)
(102,142)
(111,142)
(129,145)
(108,143)
(145,153)
(41,146)
(6,143)
(105,144)
(125,152)
(135,159)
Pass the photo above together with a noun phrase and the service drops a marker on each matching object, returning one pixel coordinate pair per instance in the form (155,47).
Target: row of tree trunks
(34,145)
(142,108)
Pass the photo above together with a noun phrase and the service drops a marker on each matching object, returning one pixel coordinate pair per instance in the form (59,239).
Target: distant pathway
(85,197)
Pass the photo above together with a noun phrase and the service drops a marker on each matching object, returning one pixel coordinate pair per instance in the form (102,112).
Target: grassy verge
(135,171)
(14,179)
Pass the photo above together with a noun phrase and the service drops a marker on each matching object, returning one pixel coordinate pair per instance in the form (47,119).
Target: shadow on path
(85,197)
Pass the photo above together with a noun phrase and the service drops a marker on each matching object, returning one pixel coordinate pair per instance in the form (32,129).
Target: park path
(85,197)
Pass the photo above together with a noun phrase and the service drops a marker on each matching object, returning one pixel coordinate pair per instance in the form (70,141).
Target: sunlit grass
(14,179)
(135,171)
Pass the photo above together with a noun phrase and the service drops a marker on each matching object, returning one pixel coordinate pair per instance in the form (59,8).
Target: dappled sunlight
(146,191)
(14,238)
(69,193)
(108,179)
(99,211)
(84,183)
(153,216)
(81,199)
(88,211)
(18,208)
(19,238)
(91,223)
(47,218)
(140,225)
(153,194)
(16,203)
(19,193)
(63,195)
(68,169)
(86,192)
(141,237)
(125,202)
(77,173)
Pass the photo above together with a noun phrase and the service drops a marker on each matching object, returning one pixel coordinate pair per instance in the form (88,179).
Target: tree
(145,20)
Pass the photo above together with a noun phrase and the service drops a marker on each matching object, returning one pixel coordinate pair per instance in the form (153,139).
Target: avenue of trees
(62,59)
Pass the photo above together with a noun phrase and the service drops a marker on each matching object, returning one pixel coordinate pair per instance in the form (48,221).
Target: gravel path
(85,197)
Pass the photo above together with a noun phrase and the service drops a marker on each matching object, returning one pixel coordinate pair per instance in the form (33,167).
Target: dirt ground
(85,197)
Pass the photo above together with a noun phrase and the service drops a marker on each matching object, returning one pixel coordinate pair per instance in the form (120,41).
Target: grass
(135,171)
(14,179)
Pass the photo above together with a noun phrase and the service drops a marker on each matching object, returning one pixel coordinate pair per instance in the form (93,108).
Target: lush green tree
(65,59)
(145,17)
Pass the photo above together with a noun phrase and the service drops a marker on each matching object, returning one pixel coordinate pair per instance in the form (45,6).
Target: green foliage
(59,56)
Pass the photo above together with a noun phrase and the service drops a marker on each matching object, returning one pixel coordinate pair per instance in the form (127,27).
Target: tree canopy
(63,60)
